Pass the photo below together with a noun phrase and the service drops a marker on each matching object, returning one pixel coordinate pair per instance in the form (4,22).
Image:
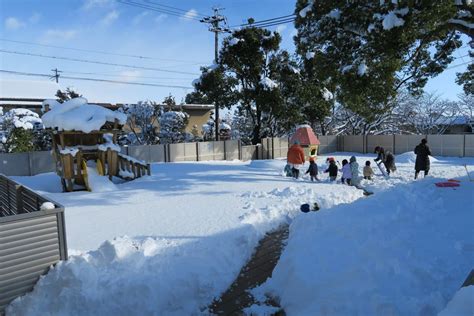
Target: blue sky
(177,44)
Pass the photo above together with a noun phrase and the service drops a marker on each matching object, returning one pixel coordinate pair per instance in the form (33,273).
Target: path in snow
(255,272)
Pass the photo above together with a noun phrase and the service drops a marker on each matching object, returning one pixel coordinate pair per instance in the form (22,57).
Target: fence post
(239,148)
(273,147)
(225,149)
(197,151)
(19,199)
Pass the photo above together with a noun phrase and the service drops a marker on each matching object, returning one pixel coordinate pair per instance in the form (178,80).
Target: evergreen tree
(68,94)
(247,55)
(370,50)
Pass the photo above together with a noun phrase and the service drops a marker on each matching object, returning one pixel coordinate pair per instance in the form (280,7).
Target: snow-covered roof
(78,115)
(28,89)
(305,136)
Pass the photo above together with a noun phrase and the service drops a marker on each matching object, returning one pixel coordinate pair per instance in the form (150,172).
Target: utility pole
(56,74)
(216,27)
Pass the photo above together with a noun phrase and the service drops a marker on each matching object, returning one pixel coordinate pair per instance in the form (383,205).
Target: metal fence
(31,239)
(28,164)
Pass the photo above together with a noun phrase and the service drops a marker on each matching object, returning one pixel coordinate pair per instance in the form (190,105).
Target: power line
(125,76)
(95,51)
(94,79)
(152,8)
(273,24)
(96,62)
(170,7)
(266,21)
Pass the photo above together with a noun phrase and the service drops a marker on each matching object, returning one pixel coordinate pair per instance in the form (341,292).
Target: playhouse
(307,139)
(84,141)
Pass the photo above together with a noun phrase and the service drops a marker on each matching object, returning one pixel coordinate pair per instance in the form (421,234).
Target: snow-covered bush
(172,125)
(19,127)
(142,120)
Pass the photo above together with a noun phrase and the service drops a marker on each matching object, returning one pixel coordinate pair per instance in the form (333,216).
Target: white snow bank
(77,115)
(409,157)
(462,303)
(398,252)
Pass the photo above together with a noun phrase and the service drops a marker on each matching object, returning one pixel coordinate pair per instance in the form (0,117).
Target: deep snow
(169,243)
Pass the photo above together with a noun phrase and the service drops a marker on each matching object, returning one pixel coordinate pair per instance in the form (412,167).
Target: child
(368,172)
(346,172)
(332,169)
(354,171)
(288,171)
(313,170)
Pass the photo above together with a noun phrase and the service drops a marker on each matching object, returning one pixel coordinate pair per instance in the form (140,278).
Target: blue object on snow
(305,208)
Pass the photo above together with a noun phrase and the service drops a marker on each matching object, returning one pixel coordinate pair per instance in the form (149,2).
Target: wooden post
(19,199)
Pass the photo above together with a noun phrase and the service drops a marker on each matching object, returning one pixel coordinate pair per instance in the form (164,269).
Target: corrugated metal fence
(31,240)
(28,164)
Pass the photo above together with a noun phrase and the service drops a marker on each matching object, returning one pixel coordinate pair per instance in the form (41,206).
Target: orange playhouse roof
(305,135)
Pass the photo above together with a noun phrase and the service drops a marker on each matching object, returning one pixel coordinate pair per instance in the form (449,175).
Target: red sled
(447,184)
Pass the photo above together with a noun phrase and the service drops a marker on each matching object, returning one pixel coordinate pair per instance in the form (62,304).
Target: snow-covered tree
(142,118)
(247,55)
(370,50)
(19,126)
(68,94)
(172,125)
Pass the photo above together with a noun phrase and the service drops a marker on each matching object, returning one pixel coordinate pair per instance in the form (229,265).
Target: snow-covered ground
(169,243)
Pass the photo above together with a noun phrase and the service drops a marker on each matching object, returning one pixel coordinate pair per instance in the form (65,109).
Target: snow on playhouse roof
(305,136)
(78,115)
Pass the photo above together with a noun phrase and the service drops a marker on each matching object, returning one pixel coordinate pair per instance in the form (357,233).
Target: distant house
(30,94)
(455,125)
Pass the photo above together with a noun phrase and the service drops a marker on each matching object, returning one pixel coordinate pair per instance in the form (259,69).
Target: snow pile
(109,143)
(409,157)
(22,118)
(462,303)
(327,95)
(77,115)
(400,252)
(268,83)
(69,151)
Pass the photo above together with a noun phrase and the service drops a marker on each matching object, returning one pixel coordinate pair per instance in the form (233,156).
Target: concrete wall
(328,144)
(27,164)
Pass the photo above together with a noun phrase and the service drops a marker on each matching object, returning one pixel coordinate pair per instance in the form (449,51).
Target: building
(29,94)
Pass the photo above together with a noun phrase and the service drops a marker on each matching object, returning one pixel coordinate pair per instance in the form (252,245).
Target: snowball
(47,206)
(268,83)
(391,20)
(77,115)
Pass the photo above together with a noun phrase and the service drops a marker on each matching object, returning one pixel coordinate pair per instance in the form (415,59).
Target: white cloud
(90,4)
(34,18)
(109,18)
(139,17)
(12,23)
(160,17)
(280,28)
(189,15)
(51,36)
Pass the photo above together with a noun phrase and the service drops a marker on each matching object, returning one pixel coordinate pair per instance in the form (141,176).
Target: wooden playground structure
(73,151)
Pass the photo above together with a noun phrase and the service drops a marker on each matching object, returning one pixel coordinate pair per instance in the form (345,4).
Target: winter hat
(353,159)
(424,141)
(304,208)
